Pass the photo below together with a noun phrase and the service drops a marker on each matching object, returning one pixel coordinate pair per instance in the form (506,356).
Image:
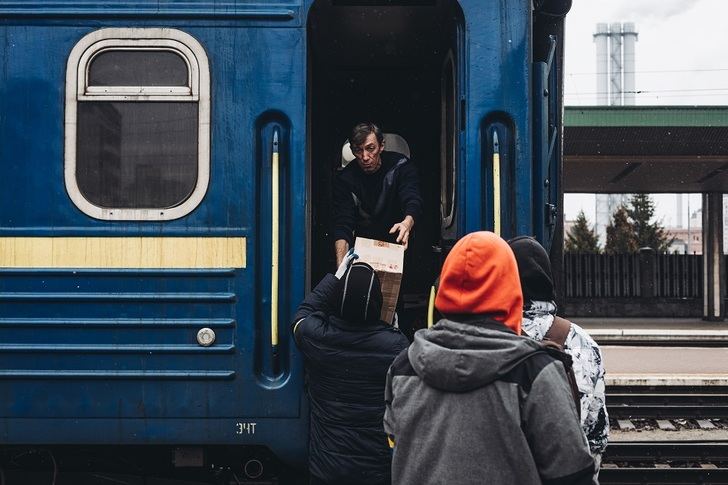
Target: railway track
(673,414)
(665,462)
(667,402)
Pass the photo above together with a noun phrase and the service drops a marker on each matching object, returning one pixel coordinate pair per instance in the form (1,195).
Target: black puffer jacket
(346,368)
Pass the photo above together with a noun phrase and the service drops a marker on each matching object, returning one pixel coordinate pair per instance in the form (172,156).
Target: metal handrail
(496,185)
(431,308)
(275,235)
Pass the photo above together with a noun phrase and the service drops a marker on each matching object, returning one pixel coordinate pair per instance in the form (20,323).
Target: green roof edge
(647,116)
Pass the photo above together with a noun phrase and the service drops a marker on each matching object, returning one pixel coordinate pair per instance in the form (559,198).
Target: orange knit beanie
(480,276)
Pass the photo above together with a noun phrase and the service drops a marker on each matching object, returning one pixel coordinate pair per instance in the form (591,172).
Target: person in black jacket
(347,351)
(378,197)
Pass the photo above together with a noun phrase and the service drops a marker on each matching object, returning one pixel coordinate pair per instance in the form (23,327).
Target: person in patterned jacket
(539,311)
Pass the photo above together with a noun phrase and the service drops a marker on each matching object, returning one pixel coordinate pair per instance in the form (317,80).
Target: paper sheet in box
(387,259)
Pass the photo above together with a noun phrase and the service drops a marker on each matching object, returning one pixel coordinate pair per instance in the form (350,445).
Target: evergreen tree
(647,233)
(621,234)
(582,238)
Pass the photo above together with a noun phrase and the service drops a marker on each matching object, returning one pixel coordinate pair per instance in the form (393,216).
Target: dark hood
(460,357)
(534,269)
(359,295)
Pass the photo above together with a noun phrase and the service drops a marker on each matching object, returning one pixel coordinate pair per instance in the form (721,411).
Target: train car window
(154,162)
(138,68)
(137,124)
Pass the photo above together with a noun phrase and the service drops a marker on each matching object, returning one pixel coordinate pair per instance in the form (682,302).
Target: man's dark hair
(361,131)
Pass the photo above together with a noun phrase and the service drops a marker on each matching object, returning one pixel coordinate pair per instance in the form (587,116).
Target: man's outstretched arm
(403,230)
(342,247)
(321,299)
(344,218)
(410,201)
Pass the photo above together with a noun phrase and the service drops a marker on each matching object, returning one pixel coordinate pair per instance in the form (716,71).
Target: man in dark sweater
(378,197)
(347,351)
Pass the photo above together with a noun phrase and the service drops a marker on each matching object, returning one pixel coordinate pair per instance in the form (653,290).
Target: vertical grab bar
(431,307)
(496,185)
(275,234)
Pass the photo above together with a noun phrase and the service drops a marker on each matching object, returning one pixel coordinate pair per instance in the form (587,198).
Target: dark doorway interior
(396,66)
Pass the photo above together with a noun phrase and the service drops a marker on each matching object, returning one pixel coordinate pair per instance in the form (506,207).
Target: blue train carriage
(166,194)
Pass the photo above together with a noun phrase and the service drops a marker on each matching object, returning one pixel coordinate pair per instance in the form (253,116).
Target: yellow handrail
(431,308)
(275,226)
(496,185)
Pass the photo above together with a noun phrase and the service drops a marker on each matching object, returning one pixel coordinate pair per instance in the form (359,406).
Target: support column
(713,260)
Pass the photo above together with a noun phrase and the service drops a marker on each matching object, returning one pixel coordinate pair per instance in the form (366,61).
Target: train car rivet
(206,337)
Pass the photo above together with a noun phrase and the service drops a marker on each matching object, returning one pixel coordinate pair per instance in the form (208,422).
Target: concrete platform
(655,331)
(665,366)
(650,323)
(671,436)
(665,380)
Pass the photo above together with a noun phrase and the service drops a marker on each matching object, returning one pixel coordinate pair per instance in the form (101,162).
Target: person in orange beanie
(471,401)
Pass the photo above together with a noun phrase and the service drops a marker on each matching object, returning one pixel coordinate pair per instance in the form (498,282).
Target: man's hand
(341,247)
(348,259)
(403,230)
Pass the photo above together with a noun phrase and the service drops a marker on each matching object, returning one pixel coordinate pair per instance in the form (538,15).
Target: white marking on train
(245,428)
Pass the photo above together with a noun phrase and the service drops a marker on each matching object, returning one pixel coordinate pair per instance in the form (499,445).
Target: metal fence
(633,275)
(601,275)
(679,276)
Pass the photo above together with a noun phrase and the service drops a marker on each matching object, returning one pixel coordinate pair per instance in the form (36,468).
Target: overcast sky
(681,59)
(681,53)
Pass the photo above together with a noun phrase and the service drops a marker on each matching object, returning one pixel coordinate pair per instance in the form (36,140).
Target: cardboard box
(387,259)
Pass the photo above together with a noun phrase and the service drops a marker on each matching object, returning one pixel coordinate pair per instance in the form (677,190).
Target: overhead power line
(653,72)
(652,91)
(659,96)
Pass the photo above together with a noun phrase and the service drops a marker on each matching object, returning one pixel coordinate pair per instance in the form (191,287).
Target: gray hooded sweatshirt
(475,403)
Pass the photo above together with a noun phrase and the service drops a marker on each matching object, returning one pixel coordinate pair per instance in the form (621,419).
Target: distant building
(688,240)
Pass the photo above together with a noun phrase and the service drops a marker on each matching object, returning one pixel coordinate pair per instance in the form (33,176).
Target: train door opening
(400,67)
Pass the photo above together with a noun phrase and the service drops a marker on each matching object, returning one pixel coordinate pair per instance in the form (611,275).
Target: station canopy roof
(646,149)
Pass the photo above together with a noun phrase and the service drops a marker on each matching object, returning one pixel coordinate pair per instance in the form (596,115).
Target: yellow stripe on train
(122,252)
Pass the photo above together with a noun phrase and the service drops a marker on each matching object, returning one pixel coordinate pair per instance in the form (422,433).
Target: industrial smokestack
(615,68)
(679,202)
(629,37)
(601,38)
(612,64)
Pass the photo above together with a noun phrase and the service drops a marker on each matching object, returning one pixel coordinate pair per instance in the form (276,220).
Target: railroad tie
(665,425)
(626,424)
(705,424)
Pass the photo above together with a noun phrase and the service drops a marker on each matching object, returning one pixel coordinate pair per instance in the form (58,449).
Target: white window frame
(196,91)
